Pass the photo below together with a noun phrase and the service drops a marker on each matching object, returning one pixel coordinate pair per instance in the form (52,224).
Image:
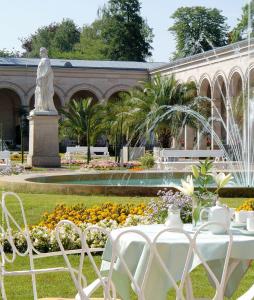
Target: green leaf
(195,171)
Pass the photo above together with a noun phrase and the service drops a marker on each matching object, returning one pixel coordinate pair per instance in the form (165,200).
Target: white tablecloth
(173,249)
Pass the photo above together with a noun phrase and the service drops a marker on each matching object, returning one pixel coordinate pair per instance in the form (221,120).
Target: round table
(173,248)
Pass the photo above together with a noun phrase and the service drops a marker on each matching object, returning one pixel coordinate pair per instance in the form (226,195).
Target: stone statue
(44,91)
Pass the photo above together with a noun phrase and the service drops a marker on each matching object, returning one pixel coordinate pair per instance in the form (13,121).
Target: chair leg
(3,293)
(188,288)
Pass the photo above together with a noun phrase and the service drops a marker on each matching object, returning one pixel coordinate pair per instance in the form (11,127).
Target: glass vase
(199,204)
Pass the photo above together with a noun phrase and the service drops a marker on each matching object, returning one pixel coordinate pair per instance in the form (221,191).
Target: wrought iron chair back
(77,275)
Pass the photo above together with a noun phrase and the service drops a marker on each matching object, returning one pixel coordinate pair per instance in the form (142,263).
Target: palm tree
(113,120)
(77,122)
(156,108)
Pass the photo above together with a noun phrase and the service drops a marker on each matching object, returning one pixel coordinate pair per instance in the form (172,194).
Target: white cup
(241,216)
(250,224)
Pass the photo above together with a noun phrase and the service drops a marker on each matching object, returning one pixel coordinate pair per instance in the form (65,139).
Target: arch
(220,107)
(15,88)
(10,110)
(56,99)
(204,82)
(249,75)
(82,94)
(236,102)
(116,96)
(193,79)
(236,83)
(116,89)
(84,87)
(58,91)
(219,78)
(232,72)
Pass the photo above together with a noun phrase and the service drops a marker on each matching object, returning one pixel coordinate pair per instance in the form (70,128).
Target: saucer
(247,232)
(235,224)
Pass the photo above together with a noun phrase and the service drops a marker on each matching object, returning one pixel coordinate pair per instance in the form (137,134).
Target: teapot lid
(219,205)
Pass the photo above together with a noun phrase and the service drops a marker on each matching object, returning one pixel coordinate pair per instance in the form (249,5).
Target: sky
(20,18)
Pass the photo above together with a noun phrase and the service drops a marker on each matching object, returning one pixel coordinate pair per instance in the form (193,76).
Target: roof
(68,63)
(234,47)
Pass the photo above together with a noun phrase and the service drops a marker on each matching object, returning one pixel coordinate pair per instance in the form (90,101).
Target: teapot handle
(203,210)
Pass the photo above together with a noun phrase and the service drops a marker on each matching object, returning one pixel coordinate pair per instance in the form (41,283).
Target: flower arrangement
(247,205)
(203,179)
(157,209)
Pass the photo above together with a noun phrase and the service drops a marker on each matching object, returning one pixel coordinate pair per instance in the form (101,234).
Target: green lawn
(60,284)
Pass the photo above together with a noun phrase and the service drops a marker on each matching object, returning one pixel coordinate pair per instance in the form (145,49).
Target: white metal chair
(85,291)
(178,285)
(220,284)
(119,257)
(30,251)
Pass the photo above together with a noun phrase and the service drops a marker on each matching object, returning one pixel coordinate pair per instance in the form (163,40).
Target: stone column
(188,138)
(201,140)
(217,126)
(43,141)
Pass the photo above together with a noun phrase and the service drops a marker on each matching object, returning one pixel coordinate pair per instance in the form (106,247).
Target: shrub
(147,161)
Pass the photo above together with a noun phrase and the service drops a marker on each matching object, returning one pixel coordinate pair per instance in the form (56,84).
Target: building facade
(222,74)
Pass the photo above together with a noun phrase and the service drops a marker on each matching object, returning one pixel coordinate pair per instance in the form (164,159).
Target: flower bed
(12,170)
(72,161)
(80,214)
(101,165)
(108,215)
(247,205)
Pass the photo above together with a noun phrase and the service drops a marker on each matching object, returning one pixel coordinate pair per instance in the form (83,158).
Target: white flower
(221,179)
(187,187)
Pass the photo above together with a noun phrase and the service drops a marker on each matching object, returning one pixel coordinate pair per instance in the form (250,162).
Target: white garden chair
(178,285)
(7,232)
(85,291)
(220,284)
(119,257)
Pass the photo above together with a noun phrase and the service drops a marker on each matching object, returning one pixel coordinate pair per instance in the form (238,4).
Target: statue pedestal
(43,141)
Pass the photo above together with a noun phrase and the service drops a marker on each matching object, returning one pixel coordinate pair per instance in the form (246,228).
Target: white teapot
(218,213)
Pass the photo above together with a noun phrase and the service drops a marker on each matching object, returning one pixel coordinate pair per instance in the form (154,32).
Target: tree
(56,37)
(91,45)
(125,33)
(114,121)
(78,121)
(7,53)
(198,29)
(159,110)
(240,31)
